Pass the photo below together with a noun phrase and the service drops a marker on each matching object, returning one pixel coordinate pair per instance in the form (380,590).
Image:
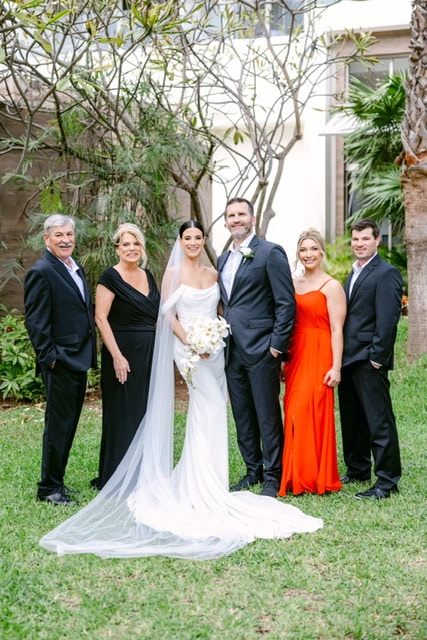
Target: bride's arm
(170,298)
(179,331)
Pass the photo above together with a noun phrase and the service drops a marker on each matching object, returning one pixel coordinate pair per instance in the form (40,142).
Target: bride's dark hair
(188,224)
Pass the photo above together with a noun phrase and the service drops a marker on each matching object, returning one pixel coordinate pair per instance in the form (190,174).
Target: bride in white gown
(150,508)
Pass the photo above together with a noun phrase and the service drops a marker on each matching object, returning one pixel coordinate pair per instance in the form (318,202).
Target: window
(284,21)
(280,17)
(383,69)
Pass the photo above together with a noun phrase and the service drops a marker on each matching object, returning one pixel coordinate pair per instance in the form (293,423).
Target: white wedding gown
(186,512)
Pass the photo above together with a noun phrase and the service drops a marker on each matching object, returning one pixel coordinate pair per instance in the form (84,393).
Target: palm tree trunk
(414,181)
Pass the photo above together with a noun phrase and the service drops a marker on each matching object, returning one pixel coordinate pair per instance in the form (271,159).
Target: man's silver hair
(57,220)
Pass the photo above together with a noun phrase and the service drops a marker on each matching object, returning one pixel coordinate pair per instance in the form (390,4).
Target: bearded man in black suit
(258,303)
(368,425)
(60,323)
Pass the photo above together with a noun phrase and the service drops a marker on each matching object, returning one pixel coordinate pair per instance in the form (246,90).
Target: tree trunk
(414,182)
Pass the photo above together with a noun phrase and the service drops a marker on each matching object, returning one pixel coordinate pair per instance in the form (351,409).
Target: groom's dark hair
(233,200)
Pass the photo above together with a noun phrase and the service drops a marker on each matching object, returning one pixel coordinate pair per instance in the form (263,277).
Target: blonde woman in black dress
(126,309)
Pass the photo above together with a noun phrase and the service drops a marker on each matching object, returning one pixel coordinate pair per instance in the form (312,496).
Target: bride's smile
(192,242)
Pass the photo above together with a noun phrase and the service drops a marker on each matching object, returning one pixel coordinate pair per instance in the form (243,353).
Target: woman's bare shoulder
(213,273)
(333,284)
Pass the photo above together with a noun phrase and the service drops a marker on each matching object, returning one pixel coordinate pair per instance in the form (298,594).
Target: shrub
(18,379)
(339,259)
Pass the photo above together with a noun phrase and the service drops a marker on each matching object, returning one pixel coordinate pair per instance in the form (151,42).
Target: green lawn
(363,576)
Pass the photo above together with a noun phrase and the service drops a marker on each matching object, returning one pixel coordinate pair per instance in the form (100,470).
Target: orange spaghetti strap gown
(310,453)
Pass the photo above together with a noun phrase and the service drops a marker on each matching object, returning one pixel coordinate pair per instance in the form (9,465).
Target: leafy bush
(397,257)
(18,379)
(339,259)
(18,362)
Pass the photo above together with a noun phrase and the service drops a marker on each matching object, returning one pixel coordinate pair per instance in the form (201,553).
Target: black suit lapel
(347,286)
(363,275)
(63,272)
(85,285)
(243,266)
(239,274)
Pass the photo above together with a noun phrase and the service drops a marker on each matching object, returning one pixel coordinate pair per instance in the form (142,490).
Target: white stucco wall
(367,14)
(302,199)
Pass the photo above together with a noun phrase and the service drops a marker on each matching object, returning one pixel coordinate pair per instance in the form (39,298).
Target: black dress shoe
(70,492)
(245,482)
(58,498)
(346,479)
(375,493)
(270,488)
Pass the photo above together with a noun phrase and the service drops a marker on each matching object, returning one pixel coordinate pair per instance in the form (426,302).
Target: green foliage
(94,379)
(18,378)
(382,198)
(374,146)
(125,178)
(339,259)
(397,257)
(51,197)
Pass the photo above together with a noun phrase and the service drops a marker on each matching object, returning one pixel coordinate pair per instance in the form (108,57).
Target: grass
(362,577)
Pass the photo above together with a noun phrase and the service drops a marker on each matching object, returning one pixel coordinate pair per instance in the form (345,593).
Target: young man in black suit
(259,304)
(60,324)
(374,294)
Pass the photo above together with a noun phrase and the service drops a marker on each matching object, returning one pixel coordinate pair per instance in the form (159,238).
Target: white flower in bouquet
(204,335)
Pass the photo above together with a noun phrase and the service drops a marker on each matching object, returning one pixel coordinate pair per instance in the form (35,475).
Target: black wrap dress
(132,319)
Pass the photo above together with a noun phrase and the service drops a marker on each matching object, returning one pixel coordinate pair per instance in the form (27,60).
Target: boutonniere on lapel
(247,253)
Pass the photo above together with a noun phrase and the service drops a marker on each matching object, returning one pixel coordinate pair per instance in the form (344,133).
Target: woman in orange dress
(311,374)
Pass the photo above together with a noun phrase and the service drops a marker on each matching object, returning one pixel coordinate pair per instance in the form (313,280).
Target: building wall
(13,220)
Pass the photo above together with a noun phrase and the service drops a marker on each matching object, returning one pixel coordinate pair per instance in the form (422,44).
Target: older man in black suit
(374,294)
(259,304)
(60,323)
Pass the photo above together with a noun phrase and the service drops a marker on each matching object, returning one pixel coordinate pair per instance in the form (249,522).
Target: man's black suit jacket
(261,307)
(59,322)
(373,312)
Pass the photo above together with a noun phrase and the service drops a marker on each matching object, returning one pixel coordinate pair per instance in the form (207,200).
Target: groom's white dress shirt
(232,264)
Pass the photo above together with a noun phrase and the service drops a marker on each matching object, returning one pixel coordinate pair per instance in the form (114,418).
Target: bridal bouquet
(204,335)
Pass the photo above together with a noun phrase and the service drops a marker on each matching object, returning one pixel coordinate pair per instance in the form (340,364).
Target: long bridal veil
(141,512)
